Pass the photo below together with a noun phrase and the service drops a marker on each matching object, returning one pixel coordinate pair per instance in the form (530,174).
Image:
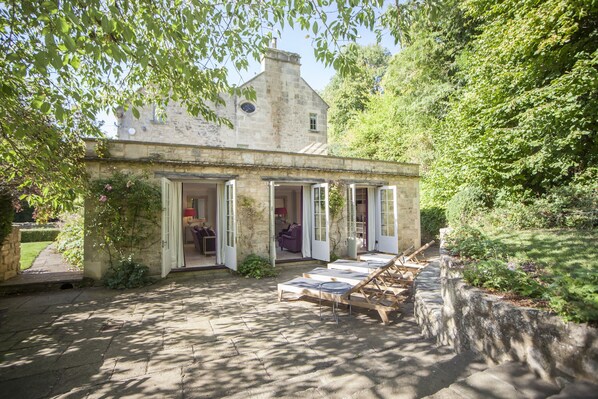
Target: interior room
(361,216)
(200,212)
(288,220)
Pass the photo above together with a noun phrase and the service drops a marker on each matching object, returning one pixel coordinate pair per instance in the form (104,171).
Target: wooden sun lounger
(372,292)
(404,260)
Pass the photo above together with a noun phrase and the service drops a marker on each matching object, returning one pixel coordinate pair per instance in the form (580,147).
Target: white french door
(272,228)
(230,226)
(172,229)
(166,227)
(352,222)
(387,221)
(320,238)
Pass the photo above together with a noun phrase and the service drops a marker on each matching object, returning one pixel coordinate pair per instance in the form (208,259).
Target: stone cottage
(263,187)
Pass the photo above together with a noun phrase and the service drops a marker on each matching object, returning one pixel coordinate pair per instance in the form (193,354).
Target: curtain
(307,215)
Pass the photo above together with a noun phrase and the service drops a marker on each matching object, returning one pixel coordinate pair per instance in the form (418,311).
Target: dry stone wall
(10,255)
(467,318)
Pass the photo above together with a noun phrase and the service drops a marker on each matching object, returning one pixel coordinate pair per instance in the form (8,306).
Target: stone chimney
(275,59)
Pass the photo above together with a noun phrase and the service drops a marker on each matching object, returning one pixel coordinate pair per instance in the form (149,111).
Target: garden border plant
(257,267)
(125,213)
(574,296)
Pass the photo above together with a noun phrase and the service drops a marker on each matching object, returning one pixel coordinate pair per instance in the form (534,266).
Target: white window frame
(313,118)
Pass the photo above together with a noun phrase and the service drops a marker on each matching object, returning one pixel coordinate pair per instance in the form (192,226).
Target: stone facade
(252,171)
(467,318)
(10,255)
(286,108)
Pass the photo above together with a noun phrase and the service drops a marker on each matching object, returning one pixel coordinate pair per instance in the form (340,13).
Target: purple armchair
(292,239)
(204,240)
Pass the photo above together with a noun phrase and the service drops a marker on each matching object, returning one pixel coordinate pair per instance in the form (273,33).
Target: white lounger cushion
(356,266)
(308,286)
(385,258)
(345,276)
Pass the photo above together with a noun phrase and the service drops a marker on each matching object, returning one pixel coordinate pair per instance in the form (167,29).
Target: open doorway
(361,216)
(200,224)
(288,218)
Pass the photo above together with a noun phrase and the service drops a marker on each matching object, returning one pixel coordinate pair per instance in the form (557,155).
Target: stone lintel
(182,154)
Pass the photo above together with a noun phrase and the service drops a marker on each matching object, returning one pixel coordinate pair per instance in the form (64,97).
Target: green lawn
(30,251)
(566,250)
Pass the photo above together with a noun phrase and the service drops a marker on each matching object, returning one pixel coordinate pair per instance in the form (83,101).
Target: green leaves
(65,62)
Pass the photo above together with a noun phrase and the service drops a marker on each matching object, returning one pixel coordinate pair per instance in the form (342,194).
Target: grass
(30,251)
(561,250)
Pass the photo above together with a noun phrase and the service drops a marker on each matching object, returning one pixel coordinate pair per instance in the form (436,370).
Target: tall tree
(402,123)
(64,61)
(349,94)
(525,120)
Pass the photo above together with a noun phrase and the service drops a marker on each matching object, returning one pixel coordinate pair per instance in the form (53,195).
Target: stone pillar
(10,255)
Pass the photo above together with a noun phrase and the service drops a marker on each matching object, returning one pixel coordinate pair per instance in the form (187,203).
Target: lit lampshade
(189,212)
(280,211)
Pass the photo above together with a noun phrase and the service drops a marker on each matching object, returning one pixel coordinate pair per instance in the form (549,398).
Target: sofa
(292,239)
(204,240)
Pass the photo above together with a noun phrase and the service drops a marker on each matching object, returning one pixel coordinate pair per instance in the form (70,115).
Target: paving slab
(224,336)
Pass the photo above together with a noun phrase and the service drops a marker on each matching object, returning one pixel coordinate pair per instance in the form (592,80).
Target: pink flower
(103,198)
(108,187)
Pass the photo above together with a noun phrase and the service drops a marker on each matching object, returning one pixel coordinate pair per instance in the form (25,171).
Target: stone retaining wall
(467,318)
(10,255)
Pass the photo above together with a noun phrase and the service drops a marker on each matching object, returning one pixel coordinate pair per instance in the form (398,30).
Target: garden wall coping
(468,318)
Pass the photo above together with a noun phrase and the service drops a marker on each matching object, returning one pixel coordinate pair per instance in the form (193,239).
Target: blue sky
(315,73)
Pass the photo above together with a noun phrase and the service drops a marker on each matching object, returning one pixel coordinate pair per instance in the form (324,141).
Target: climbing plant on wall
(336,203)
(125,215)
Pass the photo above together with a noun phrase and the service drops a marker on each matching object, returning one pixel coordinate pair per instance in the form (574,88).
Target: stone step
(509,380)
(577,390)
(345,276)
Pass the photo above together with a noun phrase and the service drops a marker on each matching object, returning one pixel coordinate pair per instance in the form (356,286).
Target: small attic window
(313,122)
(248,107)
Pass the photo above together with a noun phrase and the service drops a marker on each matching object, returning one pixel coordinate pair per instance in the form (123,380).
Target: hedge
(37,235)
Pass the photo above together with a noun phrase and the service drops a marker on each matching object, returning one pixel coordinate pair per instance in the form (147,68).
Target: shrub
(38,235)
(125,215)
(127,274)
(70,239)
(498,275)
(6,215)
(25,213)
(571,206)
(469,242)
(256,267)
(575,298)
(465,205)
(432,219)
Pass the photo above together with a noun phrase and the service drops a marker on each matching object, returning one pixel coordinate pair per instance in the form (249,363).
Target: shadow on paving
(198,336)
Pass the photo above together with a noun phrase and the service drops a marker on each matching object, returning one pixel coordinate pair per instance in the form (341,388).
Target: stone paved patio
(206,336)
